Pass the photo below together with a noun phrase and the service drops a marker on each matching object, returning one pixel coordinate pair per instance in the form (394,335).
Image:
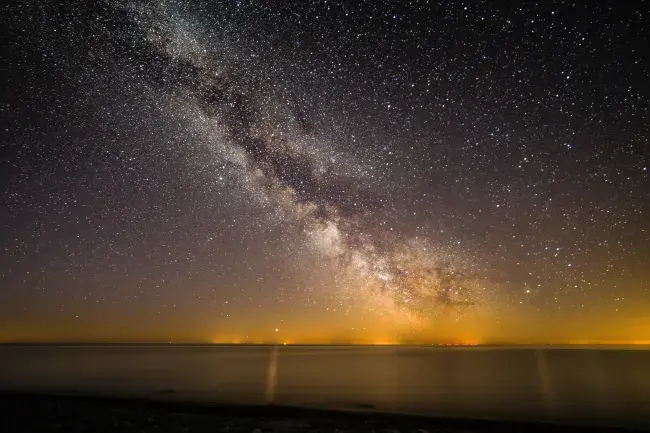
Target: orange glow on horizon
(352,328)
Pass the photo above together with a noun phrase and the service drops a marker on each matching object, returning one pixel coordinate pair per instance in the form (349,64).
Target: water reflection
(592,385)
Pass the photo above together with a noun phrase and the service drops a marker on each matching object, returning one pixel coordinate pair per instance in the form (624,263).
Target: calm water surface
(578,385)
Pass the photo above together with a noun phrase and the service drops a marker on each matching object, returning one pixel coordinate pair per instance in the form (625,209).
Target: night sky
(325,171)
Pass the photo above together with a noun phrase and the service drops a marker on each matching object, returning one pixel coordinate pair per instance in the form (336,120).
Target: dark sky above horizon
(325,171)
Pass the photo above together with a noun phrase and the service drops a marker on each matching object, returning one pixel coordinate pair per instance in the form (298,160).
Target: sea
(583,385)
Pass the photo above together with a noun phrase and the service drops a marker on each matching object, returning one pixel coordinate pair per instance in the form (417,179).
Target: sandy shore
(28,412)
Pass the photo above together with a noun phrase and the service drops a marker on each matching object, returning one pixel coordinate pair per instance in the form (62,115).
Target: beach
(49,413)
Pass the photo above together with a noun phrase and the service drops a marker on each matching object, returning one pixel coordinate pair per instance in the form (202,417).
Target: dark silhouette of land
(25,412)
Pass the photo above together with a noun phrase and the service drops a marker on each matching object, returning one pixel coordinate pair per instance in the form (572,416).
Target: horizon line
(334,344)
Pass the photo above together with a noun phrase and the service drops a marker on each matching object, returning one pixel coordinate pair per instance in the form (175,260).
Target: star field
(325,171)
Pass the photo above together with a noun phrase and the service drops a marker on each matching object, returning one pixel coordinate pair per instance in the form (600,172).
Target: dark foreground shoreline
(33,412)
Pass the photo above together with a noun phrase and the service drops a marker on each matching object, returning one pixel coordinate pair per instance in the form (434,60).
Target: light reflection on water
(579,385)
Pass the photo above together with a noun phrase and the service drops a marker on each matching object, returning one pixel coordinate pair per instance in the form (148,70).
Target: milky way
(414,162)
(329,205)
